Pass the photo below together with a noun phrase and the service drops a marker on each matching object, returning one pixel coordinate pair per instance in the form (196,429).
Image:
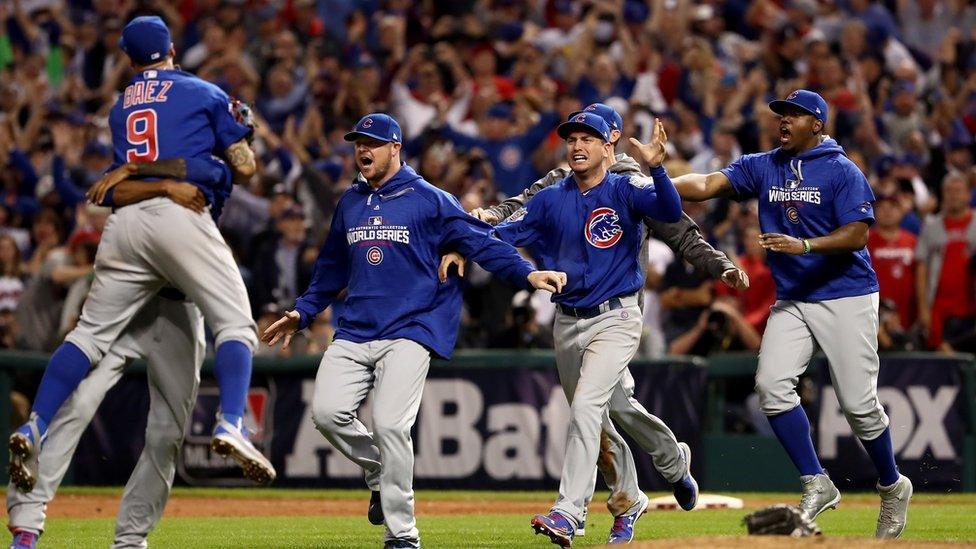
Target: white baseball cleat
(894,508)
(819,494)
(230,441)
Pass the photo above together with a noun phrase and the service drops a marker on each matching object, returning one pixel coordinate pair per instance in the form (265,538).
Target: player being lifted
(163,113)
(814,212)
(590,225)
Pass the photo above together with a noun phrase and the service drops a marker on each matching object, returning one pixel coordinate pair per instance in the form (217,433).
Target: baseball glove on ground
(780,520)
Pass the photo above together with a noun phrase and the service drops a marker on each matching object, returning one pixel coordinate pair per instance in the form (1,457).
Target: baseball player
(590,224)
(162,113)
(814,211)
(168,332)
(384,243)
(649,431)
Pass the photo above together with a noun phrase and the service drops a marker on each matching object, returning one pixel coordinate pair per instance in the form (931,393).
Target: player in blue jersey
(387,234)
(163,113)
(590,224)
(815,208)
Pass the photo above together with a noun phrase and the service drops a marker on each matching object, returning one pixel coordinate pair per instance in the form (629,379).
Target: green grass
(933,517)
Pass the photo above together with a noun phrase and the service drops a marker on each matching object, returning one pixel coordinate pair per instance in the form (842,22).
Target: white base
(705,501)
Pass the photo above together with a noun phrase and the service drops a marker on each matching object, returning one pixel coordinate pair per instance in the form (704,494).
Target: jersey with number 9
(172,114)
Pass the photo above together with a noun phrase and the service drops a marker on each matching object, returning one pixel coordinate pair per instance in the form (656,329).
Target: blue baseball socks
(793,431)
(232,368)
(65,371)
(883,456)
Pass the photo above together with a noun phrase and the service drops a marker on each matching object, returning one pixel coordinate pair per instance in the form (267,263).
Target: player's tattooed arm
(240,156)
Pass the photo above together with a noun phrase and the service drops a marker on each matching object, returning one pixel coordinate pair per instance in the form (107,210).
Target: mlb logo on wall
(601,229)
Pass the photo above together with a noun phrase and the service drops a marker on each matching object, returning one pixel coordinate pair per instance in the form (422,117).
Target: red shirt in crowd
(754,303)
(954,296)
(894,262)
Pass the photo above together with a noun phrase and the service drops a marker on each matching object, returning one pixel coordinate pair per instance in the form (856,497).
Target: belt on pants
(597,310)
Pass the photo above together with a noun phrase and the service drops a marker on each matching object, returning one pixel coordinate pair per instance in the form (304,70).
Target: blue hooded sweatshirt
(385,245)
(805,196)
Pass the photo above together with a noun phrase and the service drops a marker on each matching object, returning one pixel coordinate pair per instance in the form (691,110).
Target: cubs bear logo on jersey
(601,229)
(374,255)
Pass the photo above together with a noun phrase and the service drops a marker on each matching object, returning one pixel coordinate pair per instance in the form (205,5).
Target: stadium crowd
(478,87)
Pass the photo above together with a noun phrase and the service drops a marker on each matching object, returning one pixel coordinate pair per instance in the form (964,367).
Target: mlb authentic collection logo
(374,255)
(602,229)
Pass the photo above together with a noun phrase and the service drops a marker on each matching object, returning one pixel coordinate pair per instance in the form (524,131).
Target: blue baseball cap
(585,122)
(378,126)
(806,100)
(607,113)
(146,40)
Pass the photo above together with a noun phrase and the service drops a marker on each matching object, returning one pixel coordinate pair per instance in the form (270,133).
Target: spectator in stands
(946,302)
(755,301)
(892,250)
(509,151)
(282,263)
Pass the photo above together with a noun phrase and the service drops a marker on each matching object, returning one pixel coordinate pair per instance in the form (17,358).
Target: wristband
(806,247)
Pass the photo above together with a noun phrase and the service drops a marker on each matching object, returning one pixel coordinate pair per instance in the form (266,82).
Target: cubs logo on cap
(382,127)
(602,229)
(587,122)
(807,101)
(606,112)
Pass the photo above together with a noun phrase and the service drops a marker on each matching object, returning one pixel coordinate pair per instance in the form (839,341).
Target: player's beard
(379,169)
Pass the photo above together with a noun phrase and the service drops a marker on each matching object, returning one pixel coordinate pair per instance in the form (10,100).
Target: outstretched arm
(697,187)
(685,238)
(496,214)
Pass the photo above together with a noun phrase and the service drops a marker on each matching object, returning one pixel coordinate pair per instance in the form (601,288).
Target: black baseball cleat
(375,511)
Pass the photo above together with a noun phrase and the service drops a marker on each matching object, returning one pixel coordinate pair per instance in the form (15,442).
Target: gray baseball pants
(396,370)
(159,243)
(846,329)
(170,335)
(592,357)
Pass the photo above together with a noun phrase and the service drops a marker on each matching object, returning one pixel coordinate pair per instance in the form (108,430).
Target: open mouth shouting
(785,134)
(578,160)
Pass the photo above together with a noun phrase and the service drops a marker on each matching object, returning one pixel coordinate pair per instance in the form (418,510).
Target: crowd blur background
(478,87)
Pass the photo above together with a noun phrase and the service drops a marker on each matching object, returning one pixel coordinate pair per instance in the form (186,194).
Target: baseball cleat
(24,445)
(23,539)
(894,508)
(686,489)
(375,512)
(401,544)
(581,529)
(230,441)
(555,525)
(819,494)
(622,530)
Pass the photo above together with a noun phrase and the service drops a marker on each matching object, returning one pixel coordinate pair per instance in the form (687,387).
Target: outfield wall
(497,420)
